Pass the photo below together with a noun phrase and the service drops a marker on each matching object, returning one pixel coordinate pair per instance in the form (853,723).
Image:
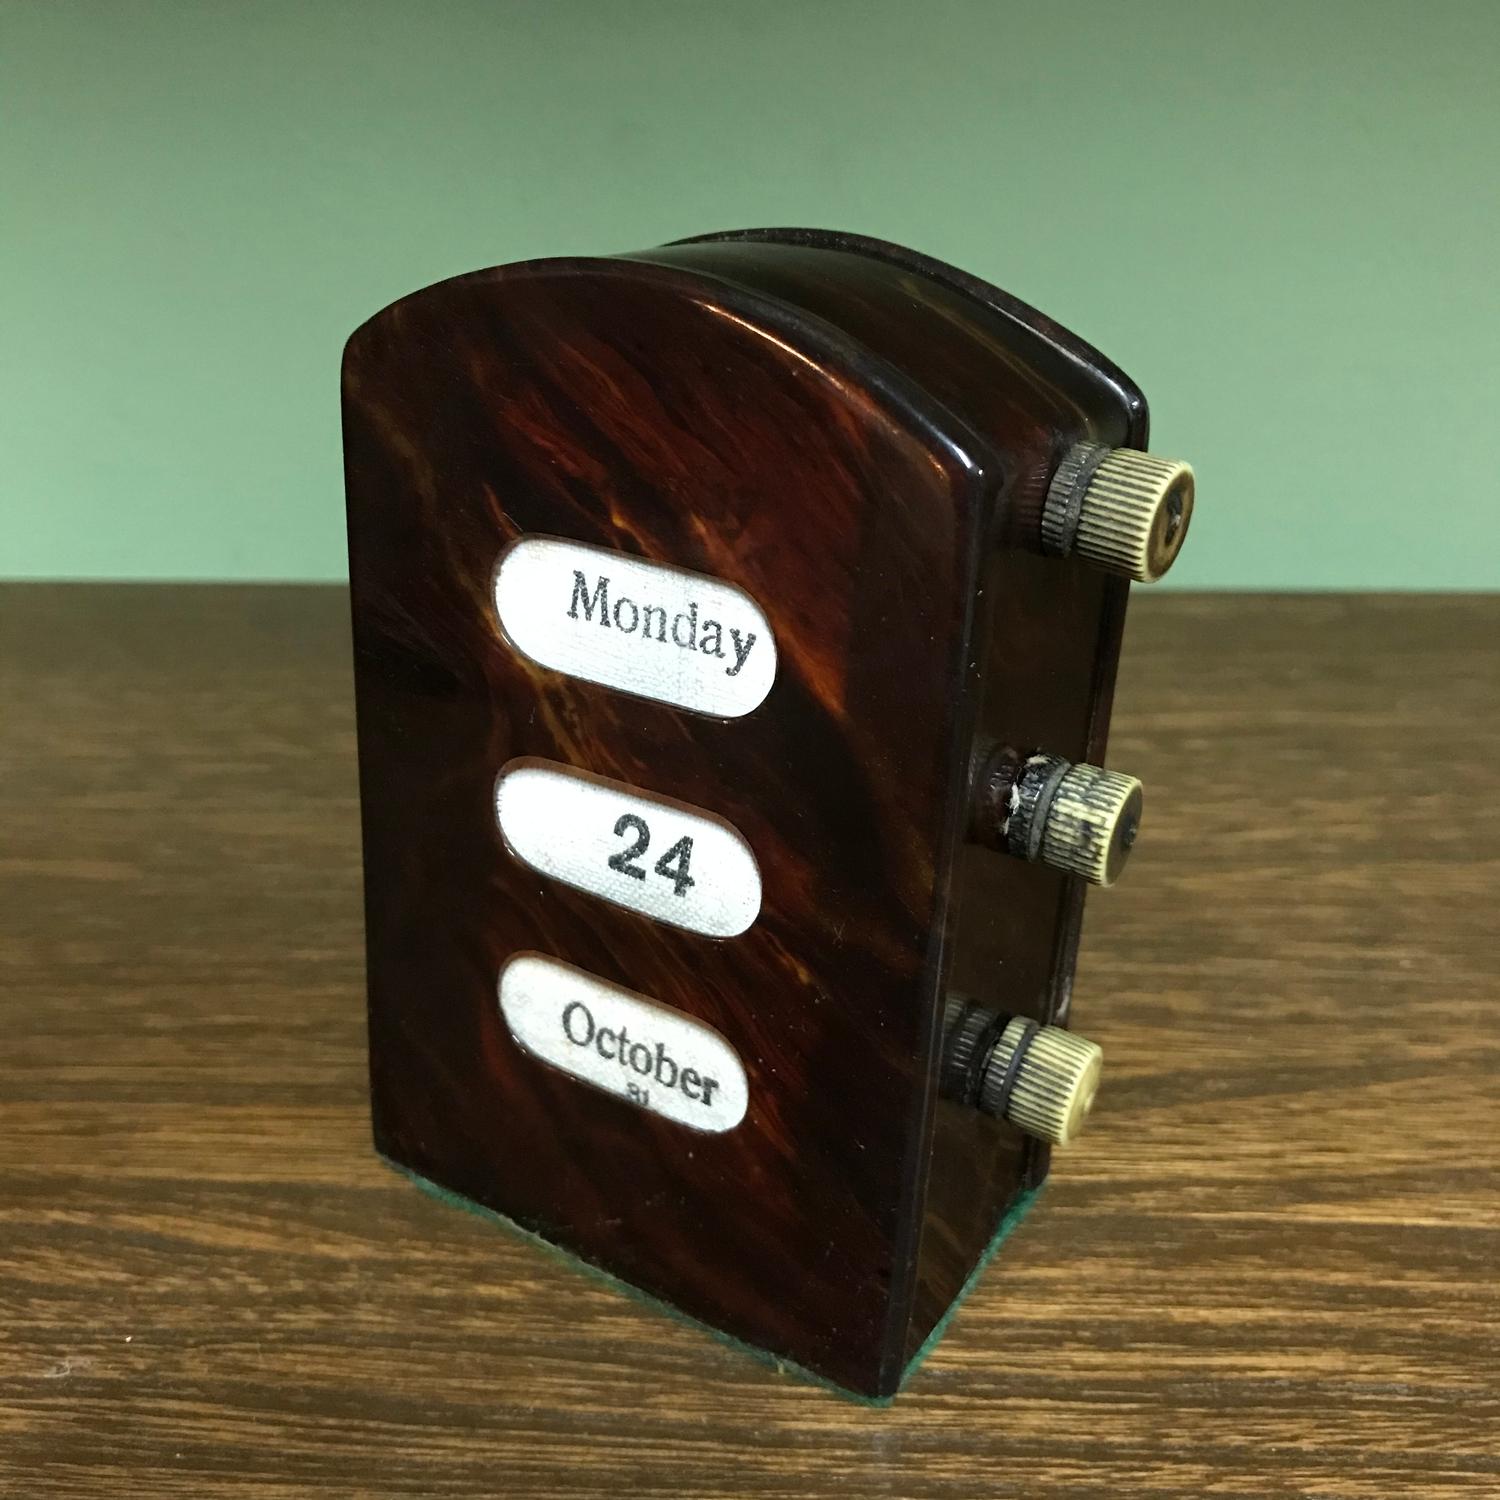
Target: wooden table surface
(1271,1267)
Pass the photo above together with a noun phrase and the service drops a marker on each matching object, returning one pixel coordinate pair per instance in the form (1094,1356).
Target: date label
(671,862)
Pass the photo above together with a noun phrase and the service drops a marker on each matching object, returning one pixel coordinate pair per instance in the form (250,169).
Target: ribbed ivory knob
(1091,823)
(1079,818)
(1122,509)
(1042,1079)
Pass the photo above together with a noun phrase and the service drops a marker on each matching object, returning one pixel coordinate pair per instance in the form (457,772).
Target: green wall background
(1281,218)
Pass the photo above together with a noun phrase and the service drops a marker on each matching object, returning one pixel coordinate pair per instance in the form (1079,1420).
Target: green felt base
(1013,1217)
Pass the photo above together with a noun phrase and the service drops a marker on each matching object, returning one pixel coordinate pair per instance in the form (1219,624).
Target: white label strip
(655,631)
(670,862)
(624,1044)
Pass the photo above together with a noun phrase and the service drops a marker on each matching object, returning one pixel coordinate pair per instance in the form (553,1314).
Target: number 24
(673,865)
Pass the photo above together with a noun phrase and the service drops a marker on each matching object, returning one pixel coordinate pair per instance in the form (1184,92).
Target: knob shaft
(1123,510)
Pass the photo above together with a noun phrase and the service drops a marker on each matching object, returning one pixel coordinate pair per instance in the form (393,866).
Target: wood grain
(1269,1268)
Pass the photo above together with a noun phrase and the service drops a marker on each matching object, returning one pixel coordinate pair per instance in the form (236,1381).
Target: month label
(657,1058)
(645,628)
(664,859)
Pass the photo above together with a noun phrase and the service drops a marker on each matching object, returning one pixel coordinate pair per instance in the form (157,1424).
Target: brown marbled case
(860,439)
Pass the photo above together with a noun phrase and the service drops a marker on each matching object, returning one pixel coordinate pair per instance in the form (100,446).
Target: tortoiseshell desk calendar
(736,627)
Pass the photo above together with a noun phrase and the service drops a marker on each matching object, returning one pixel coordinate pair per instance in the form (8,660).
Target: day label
(642,627)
